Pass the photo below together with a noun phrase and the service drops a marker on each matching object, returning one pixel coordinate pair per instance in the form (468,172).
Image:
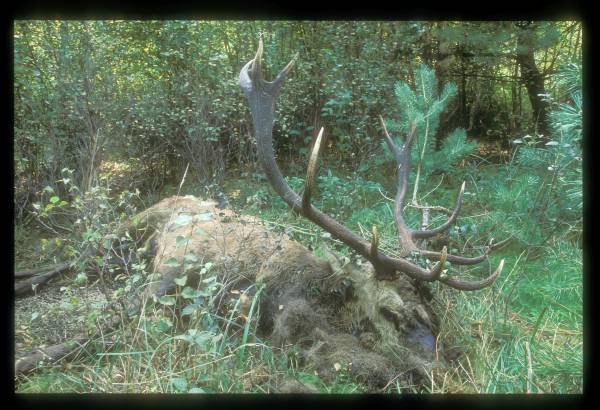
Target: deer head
(261,95)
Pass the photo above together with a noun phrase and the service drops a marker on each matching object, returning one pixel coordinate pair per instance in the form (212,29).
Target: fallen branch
(30,360)
(27,286)
(31,272)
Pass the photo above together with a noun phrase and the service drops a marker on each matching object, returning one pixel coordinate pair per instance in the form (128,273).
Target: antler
(261,95)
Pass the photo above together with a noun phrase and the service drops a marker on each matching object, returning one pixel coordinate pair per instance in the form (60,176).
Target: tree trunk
(514,101)
(462,92)
(532,78)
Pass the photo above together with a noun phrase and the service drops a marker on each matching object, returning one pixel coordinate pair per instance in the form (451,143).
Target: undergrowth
(523,334)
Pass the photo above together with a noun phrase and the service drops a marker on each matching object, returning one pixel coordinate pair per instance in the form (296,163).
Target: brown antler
(261,97)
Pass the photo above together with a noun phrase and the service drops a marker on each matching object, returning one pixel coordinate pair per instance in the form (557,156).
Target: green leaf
(209,279)
(81,278)
(181,240)
(183,220)
(206,292)
(203,338)
(190,309)
(172,262)
(189,337)
(190,257)
(163,325)
(206,216)
(180,281)
(189,293)
(167,300)
(54,199)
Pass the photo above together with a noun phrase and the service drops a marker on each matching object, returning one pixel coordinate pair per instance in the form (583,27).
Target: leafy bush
(87,220)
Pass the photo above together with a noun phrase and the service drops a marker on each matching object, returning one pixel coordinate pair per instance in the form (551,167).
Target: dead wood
(31,272)
(27,286)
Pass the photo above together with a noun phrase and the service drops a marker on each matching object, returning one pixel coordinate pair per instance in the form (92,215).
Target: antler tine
(405,234)
(436,271)
(390,142)
(311,171)
(257,63)
(469,286)
(459,260)
(428,233)
(463,260)
(410,136)
(374,242)
(493,246)
(402,157)
(281,76)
